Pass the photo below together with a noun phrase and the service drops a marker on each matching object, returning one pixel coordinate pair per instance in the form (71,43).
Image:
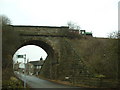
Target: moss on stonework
(12,83)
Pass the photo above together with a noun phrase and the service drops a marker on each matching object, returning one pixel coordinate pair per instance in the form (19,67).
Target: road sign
(20,56)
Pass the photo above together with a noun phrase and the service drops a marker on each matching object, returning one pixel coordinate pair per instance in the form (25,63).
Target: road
(35,82)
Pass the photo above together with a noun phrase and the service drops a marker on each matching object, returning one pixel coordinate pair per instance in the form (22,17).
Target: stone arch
(51,60)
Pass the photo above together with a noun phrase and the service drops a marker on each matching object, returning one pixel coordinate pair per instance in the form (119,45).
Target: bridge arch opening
(51,56)
(28,54)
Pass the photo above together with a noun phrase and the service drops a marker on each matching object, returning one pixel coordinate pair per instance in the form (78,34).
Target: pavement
(35,82)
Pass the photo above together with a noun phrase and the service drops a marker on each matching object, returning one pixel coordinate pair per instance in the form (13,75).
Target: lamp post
(25,70)
(28,69)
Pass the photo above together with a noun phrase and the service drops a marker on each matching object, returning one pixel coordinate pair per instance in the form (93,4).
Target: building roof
(37,63)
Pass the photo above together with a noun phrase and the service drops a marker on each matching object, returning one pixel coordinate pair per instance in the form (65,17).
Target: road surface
(35,82)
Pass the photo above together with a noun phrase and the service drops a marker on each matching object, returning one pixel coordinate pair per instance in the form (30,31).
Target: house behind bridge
(34,67)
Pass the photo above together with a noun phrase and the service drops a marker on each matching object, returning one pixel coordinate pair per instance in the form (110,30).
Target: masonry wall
(40,30)
(73,56)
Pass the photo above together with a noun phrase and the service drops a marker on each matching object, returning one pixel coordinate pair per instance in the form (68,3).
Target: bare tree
(115,34)
(72,25)
(4,20)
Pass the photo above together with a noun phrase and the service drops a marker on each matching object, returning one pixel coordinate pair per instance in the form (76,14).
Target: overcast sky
(33,53)
(98,16)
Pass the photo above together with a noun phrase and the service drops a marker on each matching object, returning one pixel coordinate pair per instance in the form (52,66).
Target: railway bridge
(56,41)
